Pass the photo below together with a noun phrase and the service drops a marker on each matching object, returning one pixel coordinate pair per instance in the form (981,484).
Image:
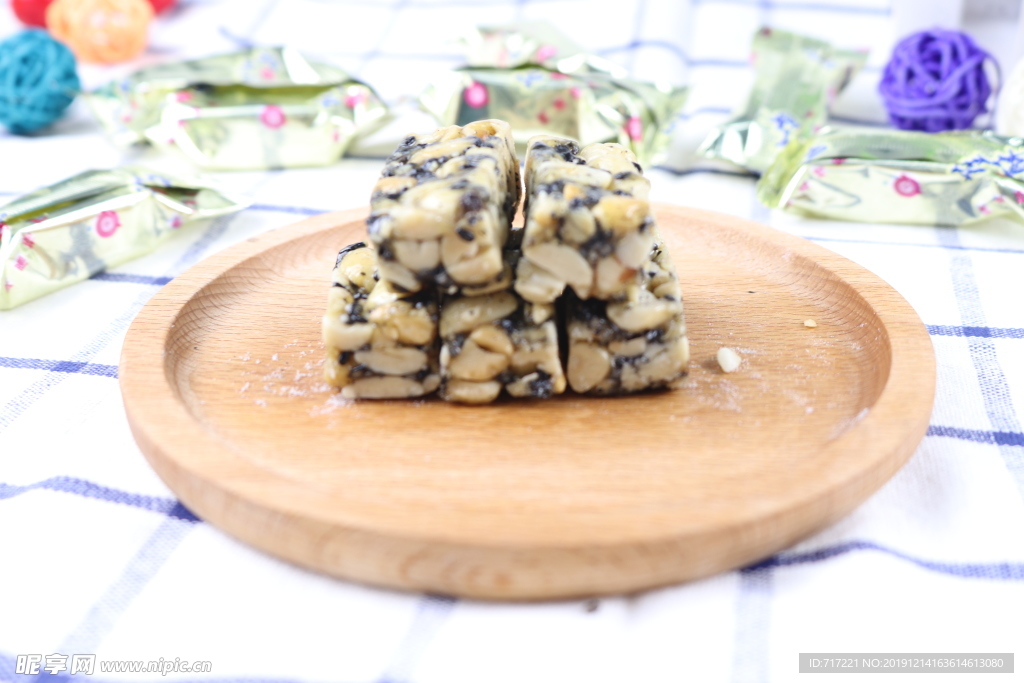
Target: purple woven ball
(936,81)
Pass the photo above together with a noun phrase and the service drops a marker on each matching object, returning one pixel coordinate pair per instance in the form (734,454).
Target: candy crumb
(810,323)
(728,359)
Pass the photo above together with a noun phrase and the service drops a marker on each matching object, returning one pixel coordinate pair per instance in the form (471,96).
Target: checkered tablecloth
(98,558)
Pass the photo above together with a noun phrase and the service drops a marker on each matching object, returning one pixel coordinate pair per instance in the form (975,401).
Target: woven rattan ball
(37,81)
(103,31)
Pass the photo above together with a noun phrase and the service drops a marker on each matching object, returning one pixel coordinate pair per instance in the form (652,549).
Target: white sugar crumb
(728,359)
(810,323)
(274,357)
(245,387)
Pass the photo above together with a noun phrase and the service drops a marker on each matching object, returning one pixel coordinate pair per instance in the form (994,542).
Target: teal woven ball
(38,81)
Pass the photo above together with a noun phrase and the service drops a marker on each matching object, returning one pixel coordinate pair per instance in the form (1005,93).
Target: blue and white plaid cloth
(97,557)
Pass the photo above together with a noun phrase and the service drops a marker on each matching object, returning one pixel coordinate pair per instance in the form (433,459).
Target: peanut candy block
(621,347)
(495,341)
(588,222)
(380,343)
(443,207)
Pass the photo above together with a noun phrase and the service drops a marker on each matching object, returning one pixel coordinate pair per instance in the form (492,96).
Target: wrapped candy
(538,81)
(533,43)
(65,233)
(888,176)
(259,108)
(796,80)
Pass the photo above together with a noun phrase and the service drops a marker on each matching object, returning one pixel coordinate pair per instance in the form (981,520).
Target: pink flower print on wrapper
(28,240)
(273,116)
(1019,197)
(20,262)
(476,95)
(575,91)
(559,104)
(266,73)
(107,223)
(546,52)
(175,221)
(818,171)
(634,128)
(543,117)
(8,285)
(354,100)
(906,186)
(183,96)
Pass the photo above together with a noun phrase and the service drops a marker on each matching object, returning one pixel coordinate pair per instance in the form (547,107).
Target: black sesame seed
(597,245)
(473,200)
(355,313)
(348,250)
(465,234)
(542,387)
(360,371)
(456,343)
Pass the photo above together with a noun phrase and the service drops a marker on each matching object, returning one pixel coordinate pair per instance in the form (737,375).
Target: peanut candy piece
(380,343)
(622,347)
(443,207)
(498,341)
(588,222)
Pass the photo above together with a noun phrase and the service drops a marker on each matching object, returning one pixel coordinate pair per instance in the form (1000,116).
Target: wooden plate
(569,497)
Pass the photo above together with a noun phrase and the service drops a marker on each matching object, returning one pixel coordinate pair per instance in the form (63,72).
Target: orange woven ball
(101,30)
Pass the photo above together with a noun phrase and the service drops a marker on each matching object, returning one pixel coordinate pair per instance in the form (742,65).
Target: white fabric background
(97,557)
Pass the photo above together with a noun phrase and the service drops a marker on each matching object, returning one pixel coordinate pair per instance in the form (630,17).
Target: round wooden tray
(574,496)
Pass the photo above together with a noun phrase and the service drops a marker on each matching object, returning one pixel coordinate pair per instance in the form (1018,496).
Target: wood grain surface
(520,500)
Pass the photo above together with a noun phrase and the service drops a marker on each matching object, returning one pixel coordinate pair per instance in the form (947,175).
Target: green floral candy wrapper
(255,109)
(536,43)
(65,233)
(890,176)
(540,83)
(796,80)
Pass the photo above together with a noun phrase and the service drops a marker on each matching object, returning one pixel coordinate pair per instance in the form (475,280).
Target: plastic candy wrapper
(889,176)
(538,81)
(65,233)
(795,82)
(259,108)
(533,43)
